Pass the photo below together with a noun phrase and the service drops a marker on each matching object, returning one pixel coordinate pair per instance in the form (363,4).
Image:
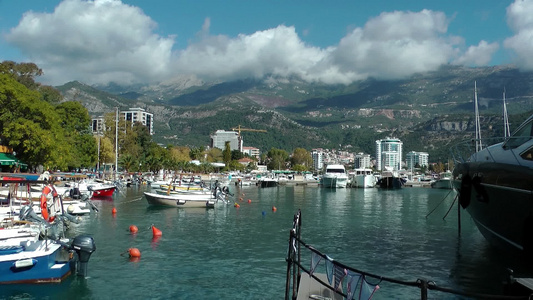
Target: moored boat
(390,180)
(363,178)
(495,185)
(444,181)
(335,176)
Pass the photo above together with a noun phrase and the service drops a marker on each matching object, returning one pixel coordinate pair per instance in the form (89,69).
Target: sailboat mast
(116,145)
(479,145)
(506,130)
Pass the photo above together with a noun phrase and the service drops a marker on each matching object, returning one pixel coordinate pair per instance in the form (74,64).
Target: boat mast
(479,145)
(116,145)
(506,131)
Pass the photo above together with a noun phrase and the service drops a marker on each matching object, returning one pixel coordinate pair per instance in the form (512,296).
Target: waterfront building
(362,161)
(389,153)
(251,151)
(413,158)
(220,137)
(318,158)
(98,125)
(139,115)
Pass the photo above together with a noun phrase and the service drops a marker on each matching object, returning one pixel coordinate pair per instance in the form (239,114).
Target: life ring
(44,202)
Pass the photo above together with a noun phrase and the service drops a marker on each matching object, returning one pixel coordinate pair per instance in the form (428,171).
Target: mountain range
(428,112)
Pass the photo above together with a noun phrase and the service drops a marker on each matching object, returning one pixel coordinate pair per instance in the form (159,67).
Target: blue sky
(138,41)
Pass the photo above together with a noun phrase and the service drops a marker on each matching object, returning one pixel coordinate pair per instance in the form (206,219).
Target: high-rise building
(362,161)
(139,115)
(318,158)
(220,137)
(413,158)
(389,153)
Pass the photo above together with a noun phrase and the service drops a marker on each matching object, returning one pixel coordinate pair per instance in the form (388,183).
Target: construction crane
(239,129)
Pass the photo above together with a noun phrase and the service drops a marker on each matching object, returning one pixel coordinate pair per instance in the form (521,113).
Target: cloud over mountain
(106,40)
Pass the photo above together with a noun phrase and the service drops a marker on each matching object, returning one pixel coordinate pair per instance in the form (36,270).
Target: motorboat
(363,178)
(207,200)
(335,177)
(390,180)
(443,181)
(495,185)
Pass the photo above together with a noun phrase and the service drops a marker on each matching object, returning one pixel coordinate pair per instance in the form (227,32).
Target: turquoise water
(239,253)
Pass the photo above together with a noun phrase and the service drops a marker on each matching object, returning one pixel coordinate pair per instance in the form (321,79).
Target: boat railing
(465,151)
(346,282)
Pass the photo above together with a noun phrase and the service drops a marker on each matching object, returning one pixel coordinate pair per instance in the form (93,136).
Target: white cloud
(479,55)
(520,19)
(105,40)
(93,41)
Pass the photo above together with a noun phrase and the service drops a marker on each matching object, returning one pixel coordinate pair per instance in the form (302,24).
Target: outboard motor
(84,247)
(28,214)
(75,193)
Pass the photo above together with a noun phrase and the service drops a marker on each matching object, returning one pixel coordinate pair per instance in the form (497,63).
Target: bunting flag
(352,282)
(339,276)
(367,290)
(315,259)
(329,269)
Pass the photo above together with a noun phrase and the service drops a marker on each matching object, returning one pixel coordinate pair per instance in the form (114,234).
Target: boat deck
(309,288)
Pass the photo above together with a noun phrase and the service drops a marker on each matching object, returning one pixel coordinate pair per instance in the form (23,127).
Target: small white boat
(206,200)
(444,181)
(363,178)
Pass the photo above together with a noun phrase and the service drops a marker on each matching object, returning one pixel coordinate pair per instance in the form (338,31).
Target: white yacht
(363,178)
(335,177)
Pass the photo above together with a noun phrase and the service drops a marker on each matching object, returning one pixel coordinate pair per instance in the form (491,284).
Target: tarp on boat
(8,159)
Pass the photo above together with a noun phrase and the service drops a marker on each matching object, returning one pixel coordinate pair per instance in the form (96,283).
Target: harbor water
(239,252)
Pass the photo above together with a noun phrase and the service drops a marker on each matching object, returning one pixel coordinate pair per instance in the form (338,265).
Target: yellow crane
(239,129)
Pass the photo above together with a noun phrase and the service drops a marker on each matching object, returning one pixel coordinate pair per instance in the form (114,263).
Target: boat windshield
(522,135)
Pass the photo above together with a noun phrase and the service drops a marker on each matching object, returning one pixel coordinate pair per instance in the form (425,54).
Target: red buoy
(249,201)
(134,252)
(237,205)
(274,208)
(133,229)
(156,232)
(114,211)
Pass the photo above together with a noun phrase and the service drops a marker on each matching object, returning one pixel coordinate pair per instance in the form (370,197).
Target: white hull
(180,200)
(339,181)
(364,181)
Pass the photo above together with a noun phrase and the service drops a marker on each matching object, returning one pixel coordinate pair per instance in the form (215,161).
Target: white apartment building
(252,151)
(389,153)
(220,137)
(139,115)
(413,158)
(318,159)
(362,161)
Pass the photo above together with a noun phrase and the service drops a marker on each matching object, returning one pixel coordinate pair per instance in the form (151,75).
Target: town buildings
(389,154)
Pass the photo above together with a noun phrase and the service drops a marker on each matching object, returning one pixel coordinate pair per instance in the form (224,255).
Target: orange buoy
(133,229)
(249,201)
(240,199)
(156,232)
(237,205)
(134,252)
(114,211)
(274,208)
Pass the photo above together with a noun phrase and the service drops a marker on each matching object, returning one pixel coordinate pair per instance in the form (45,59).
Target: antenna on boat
(479,145)
(506,131)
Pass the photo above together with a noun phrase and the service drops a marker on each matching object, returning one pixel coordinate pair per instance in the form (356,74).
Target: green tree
(301,157)
(226,154)
(277,159)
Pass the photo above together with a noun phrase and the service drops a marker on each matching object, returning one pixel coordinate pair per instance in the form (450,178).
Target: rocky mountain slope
(429,112)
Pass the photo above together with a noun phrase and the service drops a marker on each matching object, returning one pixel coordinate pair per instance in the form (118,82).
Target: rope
(438,204)
(449,209)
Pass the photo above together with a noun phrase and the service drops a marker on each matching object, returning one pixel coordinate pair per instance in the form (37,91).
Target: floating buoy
(134,252)
(263,213)
(274,208)
(70,209)
(114,211)
(236,205)
(133,229)
(240,199)
(249,201)
(156,232)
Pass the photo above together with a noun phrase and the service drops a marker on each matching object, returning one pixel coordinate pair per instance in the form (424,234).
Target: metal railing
(295,268)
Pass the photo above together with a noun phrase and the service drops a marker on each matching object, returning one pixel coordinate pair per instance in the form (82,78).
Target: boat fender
(482,195)
(44,202)
(23,264)
(465,190)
